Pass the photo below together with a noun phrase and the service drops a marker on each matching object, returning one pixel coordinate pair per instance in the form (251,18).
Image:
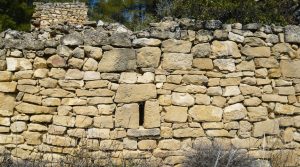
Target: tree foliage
(15,14)
(228,11)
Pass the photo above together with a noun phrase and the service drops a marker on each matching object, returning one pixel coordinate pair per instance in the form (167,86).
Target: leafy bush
(229,11)
(217,156)
(15,14)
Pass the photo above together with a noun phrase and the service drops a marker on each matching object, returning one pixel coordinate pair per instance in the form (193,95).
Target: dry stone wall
(151,94)
(47,14)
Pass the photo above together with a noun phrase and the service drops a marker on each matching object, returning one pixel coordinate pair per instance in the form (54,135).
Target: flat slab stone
(143,132)
(118,60)
(292,34)
(290,68)
(128,93)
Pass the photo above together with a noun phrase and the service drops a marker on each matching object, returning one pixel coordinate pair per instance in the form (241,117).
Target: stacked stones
(47,14)
(152,94)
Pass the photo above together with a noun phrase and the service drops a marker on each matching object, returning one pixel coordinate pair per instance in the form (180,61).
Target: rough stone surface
(177,61)
(153,94)
(118,60)
(135,93)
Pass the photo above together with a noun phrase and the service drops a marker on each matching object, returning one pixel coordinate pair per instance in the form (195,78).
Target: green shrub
(229,11)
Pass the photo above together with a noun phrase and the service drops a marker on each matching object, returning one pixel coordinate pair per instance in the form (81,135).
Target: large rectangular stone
(128,93)
(177,61)
(59,140)
(27,108)
(8,86)
(290,69)
(118,60)
(143,132)
(127,116)
(7,104)
(292,34)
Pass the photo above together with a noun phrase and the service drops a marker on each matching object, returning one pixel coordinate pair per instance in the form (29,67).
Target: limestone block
(182,99)
(176,114)
(285,90)
(146,42)
(98,133)
(90,65)
(147,144)
(5,76)
(71,40)
(67,121)
(28,88)
(231,91)
(225,48)
(37,127)
(106,109)
(235,112)
(274,98)
(96,84)
(118,60)
(152,114)
(51,102)
(130,144)
(169,144)
(57,73)
(5,121)
(268,127)
(202,99)
(176,46)
(201,50)
(16,64)
(59,141)
(11,139)
(104,122)
(203,63)
(74,74)
(127,93)
(100,100)
(246,66)
(148,57)
(177,61)
(256,51)
(7,104)
(73,102)
(225,64)
(147,77)
(27,108)
(86,110)
(236,37)
(127,116)
(266,62)
(250,90)
(214,91)
(254,41)
(254,101)
(8,87)
(143,132)
(201,113)
(41,118)
(56,61)
(83,121)
(56,93)
(290,68)
(247,143)
(291,34)
(286,109)
(32,138)
(188,132)
(218,133)
(128,77)
(111,145)
(93,52)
